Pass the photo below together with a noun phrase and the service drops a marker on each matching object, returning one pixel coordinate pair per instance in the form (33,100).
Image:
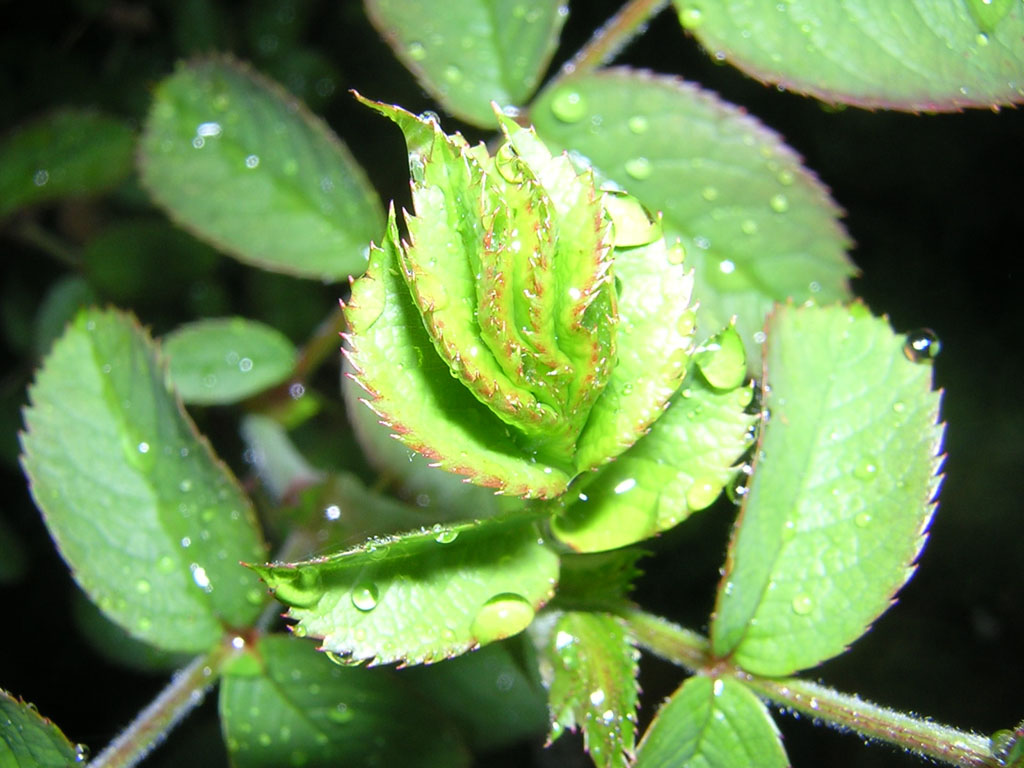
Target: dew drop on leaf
(502,616)
(569,106)
(702,493)
(802,605)
(676,253)
(639,168)
(862,520)
(779,203)
(365,596)
(867,469)
(301,587)
(921,346)
(416,51)
(638,124)
(691,17)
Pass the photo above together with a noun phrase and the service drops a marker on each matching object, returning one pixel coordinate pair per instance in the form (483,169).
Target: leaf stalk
(843,711)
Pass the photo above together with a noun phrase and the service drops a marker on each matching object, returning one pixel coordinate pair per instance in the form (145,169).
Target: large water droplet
(638,124)
(502,616)
(702,493)
(779,203)
(301,587)
(365,596)
(802,605)
(639,168)
(691,17)
(569,106)
(867,469)
(921,346)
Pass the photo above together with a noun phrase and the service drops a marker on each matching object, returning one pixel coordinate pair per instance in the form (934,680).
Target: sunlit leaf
(932,56)
(756,225)
(471,53)
(299,709)
(842,491)
(241,163)
(712,724)
(152,525)
(679,467)
(420,597)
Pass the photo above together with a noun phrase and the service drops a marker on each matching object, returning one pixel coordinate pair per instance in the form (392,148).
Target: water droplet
(862,520)
(717,687)
(922,346)
(625,486)
(143,587)
(365,596)
(252,161)
(508,164)
(676,253)
(264,739)
(453,74)
(165,564)
(341,713)
(200,577)
(502,616)
(686,323)
(569,106)
(301,587)
(597,697)
(639,168)
(416,51)
(702,493)
(254,596)
(867,469)
(727,266)
(802,605)
(709,193)
(41,177)
(81,753)
(446,536)
(333,512)
(981,40)
(786,178)
(779,203)
(748,227)
(638,124)
(691,17)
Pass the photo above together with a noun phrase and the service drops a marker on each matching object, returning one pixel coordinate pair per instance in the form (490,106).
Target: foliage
(629,302)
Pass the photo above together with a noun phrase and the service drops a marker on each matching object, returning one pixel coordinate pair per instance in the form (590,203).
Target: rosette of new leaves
(486,337)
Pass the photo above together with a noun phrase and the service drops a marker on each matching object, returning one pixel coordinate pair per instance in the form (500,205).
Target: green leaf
(757,227)
(146,262)
(70,153)
(242,164)
(411,388)
(421,597)
(300,709)
(679,467)
(222,361)
(29,740)
(496,684)
(468,54)
(712,724)
(934,56)
(600,581)
(841,495)
(592,683)
(152,525)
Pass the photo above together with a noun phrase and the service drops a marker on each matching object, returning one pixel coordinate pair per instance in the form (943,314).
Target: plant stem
(322,343)
(840,710)
(32,234)
(611,38)
(184,693)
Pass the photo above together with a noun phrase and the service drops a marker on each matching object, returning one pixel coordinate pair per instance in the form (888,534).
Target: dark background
(933,204)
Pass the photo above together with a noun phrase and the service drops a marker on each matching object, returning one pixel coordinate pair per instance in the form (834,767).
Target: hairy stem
(611,38)
(841,710)
(184,693)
